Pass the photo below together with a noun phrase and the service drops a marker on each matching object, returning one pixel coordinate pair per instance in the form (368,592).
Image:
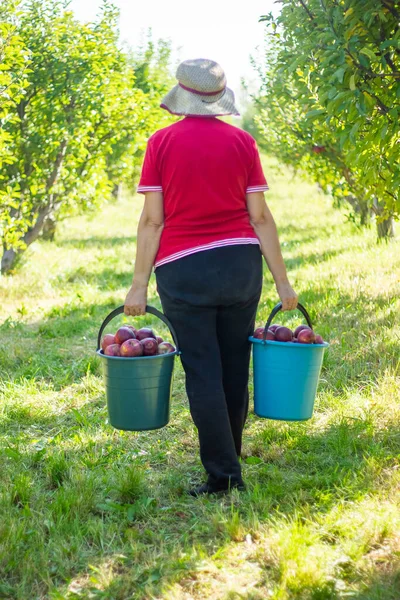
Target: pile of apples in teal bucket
(286,369)
(138,369)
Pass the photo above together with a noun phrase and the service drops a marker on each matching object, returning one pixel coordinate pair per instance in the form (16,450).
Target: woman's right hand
(287,295)
(136,300)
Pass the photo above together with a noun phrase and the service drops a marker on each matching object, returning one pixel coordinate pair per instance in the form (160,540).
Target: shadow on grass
(346,462)
(297,468)
(99,241)
(313,258)
(302,235)
(383,584)
(61,347)
(107,279)
(379,586)
(359,329)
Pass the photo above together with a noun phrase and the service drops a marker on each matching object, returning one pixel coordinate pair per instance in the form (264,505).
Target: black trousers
(211,299)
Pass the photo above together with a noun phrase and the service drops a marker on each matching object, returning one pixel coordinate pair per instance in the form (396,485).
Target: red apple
(318,339)
(300,328)
(259,332)
(283,334)
(150,346)
(123,334)
(159,339)
(144,333)
(108,339)
(132,328)
(318,149)
(113,350)
(306,336)
(165,348)
(274,327)
(132,348)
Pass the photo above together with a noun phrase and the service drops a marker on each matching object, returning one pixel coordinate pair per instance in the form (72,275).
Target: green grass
(91,512)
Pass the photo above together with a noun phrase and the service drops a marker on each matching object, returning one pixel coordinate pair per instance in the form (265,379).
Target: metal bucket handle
(276,309)
(149,309)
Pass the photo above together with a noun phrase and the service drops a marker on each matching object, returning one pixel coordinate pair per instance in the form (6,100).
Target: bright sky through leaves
(227,32)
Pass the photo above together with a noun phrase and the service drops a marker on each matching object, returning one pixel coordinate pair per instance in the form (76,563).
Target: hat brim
(181,102)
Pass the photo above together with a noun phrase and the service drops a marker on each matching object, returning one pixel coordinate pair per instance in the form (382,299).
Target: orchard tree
(330,99)
(79,125)
(14,63)
(150,63)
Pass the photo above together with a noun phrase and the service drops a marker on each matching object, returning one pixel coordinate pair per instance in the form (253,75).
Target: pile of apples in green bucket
(129,342)
(303,334)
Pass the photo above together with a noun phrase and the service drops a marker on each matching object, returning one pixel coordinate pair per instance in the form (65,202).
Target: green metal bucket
(286,375)
(138,389)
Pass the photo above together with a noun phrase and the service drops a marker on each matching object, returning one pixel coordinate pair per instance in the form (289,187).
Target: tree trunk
(8,259)
(116,191)
(49,228)
(385,228)
(360,207)
(10,255)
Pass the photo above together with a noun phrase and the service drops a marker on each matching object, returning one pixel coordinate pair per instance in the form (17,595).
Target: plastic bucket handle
(276,309)
(149,309)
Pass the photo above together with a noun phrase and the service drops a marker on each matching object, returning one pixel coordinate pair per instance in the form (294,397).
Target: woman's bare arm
(265,229)
(150,227)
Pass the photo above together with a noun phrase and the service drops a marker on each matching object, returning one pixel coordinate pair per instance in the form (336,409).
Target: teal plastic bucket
(138,390)
(286,375)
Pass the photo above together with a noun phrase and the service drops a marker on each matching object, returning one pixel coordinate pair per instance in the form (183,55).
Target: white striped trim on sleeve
(257,188)
(142,189)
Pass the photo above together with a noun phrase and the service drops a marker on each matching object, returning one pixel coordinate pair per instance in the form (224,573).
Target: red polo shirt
(204,167)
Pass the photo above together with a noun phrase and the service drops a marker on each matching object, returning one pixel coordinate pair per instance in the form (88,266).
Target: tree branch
(308,11)
(387,4)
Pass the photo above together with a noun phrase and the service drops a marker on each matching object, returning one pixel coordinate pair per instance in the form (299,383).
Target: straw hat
(201,91)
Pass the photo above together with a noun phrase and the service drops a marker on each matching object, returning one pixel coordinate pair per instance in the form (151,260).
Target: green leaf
(339,74)
(388,43)
(363,61)
(253,460)
(352,82)
(131,512)
(314,113)
(354,129)
(368,52)
(369,100)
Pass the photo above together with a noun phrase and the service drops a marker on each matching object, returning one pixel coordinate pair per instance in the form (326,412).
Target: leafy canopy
(331,96)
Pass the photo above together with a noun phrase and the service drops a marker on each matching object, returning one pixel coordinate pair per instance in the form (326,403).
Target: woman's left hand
(287,295)
(136,300)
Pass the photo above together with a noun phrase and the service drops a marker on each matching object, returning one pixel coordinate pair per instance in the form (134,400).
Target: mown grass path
(91,512)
